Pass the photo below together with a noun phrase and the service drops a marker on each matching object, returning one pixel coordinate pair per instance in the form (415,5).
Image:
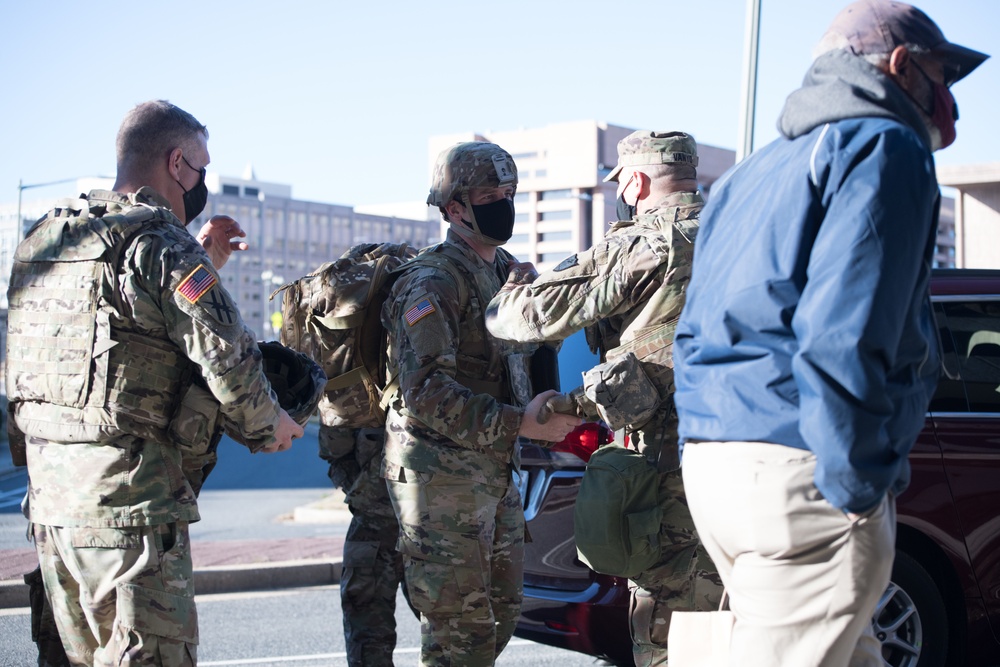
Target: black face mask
(196,197)
(495,220)
(626,211)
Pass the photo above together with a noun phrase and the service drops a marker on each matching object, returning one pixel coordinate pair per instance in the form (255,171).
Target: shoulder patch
(197,283)
(567,263)
(217,304)
(418,312)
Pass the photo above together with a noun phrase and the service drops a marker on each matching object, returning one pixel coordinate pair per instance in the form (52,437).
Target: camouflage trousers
(121,596)
(43,626)
(463,553)
(373,570)
(684,579)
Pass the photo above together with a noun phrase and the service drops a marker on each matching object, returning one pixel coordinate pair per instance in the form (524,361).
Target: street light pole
(21,187)
(744,142)
(20,225)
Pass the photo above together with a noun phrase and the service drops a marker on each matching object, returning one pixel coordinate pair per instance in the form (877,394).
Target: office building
(975,215)
(288,238)
(562,204)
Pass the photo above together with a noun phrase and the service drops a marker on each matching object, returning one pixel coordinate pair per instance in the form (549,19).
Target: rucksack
(333,315)
(616,520)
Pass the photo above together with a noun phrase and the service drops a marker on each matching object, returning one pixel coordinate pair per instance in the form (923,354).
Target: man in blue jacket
(807,354)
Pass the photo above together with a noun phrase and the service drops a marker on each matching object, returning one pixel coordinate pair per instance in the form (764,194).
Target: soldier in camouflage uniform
(627,292)
(113,305)
(200,422)
(452,423)
(372,567)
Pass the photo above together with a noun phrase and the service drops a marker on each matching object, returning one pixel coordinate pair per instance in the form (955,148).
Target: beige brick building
(975,242)
(562,205)
(288,237)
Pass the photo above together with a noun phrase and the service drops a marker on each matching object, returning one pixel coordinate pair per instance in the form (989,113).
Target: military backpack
(334,316)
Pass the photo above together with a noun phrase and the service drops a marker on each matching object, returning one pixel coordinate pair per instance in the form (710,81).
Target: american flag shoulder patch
(418,312)
(197,283)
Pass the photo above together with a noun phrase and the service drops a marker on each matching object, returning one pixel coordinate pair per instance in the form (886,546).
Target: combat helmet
(472,164)
(297,380)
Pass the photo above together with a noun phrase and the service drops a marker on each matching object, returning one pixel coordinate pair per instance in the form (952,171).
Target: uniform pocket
(195,420)
(148,612)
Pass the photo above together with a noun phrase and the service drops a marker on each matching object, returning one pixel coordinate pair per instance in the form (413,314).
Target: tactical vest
(649,332)
(73,374)
(480,374)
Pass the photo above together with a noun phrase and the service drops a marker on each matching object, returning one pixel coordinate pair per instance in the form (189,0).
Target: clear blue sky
(338,98)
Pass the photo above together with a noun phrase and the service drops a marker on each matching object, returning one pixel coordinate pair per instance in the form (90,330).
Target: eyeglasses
(932,82)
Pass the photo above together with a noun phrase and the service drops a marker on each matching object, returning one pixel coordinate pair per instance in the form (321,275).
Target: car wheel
(911,621)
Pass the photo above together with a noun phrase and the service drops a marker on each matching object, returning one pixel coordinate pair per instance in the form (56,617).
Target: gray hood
(840,85)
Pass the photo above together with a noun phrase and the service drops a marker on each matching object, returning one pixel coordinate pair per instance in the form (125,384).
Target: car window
(975,333)
(950,393)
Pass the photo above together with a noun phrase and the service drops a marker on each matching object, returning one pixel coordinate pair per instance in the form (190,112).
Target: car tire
(911,620)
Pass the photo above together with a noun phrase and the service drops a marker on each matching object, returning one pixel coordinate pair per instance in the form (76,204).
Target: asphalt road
(291,628)
(252,497)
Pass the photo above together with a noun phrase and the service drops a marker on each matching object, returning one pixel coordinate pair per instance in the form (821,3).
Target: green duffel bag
(616,521)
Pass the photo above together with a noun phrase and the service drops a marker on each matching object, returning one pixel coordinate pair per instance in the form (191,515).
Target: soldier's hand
(520,273)
(554,428)
(287,431)
(216,237)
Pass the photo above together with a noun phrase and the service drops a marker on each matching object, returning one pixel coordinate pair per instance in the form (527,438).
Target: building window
(525,156)
(551,257)
(555,215)
(555,236)
(521,198)
(520,217)
(251,192)
(555,194)
(231,190)
(518,238)
(541,173)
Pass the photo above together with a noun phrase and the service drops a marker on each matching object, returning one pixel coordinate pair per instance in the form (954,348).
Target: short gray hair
(835,41)
(150,131)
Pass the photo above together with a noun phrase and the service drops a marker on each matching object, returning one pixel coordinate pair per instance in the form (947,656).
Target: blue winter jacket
(808,319)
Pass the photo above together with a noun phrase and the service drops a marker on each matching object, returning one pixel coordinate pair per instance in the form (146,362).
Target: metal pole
(20,226)
(21,187)
(751,42)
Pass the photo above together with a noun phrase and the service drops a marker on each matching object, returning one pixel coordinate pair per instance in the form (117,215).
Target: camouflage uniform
(450,450)
(107,423)
(373,568)
(628,291)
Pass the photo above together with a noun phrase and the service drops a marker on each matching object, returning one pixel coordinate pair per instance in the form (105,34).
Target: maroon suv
(943,604)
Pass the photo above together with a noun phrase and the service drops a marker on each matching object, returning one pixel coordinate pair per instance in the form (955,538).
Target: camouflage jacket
(451,413)
(168,298)
(627,291)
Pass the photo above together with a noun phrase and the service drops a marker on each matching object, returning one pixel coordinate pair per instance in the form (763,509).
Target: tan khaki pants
(803,578)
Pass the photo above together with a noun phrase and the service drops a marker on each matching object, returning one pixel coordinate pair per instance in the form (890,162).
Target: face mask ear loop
(472,213)
(476,232)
